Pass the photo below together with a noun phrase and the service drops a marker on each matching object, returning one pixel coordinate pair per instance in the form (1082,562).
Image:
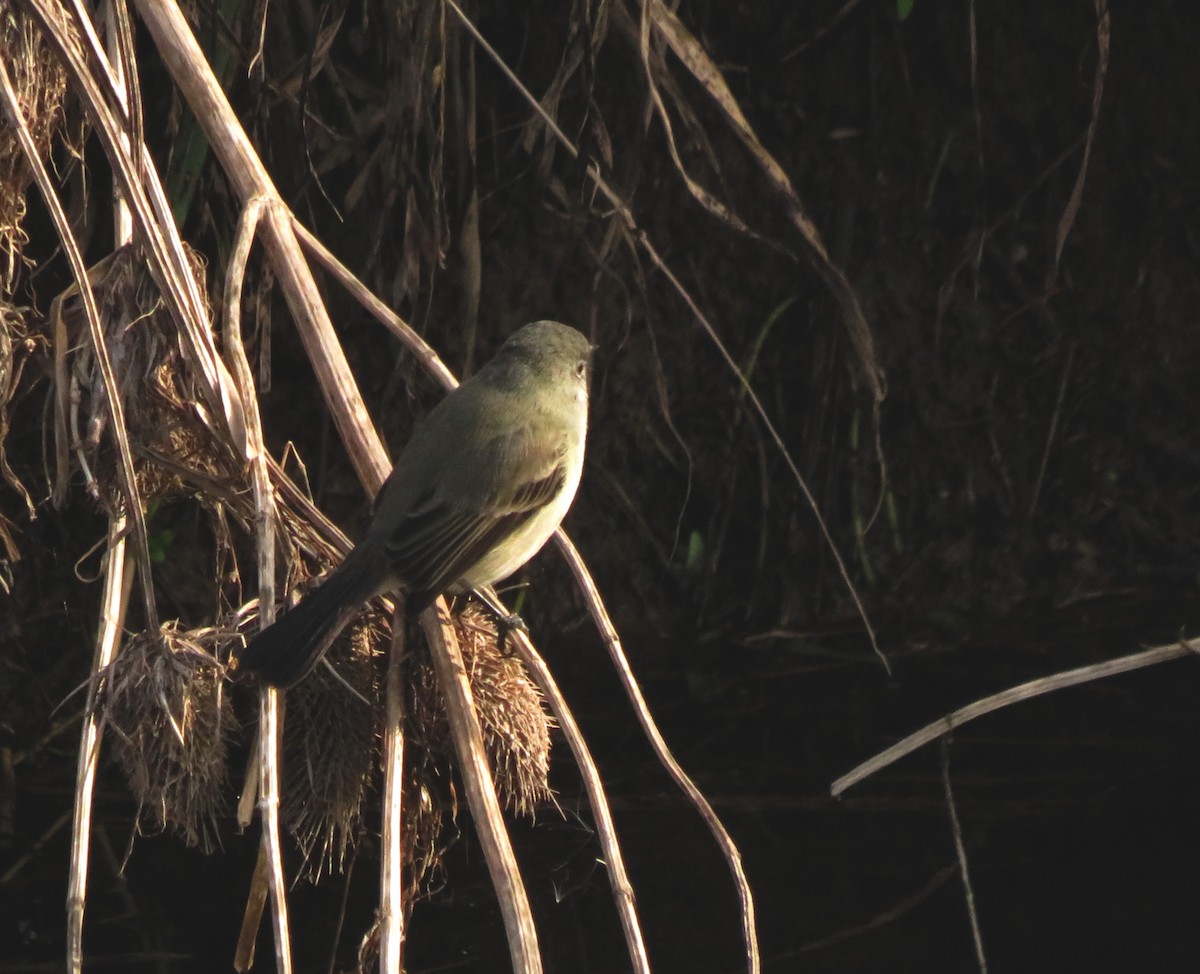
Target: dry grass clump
(12,338)
(41,86)
(170,432)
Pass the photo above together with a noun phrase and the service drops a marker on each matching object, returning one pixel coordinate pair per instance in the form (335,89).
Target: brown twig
(265,514)
(116,582)
(612,642)
(1071,210)
(960,852)
(1017,694)
(382,313)
(606,830)
(481,793)
(113,601)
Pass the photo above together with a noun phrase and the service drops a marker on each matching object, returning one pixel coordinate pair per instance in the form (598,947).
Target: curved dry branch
(692,55)
(391,860)
(606,829)
(1006,698)
(662,751)
(112,611)
(270,707)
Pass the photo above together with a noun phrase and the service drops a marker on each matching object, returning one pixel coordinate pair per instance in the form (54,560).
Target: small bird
(479,488)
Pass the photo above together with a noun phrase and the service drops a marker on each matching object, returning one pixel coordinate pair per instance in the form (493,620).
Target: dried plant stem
(117,577)
(270,731)
(1025,691)
(133,505)
(256,902)
(960,851)
(382,313)
(481,792)
(1071,210)
(597,799)
(391,866)
(199,86)
(114,598)
(101,96)
(270,708)
(725,842)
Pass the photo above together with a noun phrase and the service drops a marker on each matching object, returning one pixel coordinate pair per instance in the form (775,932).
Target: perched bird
(482,484)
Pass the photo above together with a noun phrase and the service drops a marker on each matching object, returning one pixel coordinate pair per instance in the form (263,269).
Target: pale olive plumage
(480,487)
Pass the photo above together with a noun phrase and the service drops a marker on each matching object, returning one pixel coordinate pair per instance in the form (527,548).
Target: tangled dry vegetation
(154,408)
(474,169)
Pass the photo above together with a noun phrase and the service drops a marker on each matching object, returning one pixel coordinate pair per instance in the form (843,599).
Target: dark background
(1037,514)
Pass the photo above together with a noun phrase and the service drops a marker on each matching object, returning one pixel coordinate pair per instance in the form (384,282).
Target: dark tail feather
(285,652)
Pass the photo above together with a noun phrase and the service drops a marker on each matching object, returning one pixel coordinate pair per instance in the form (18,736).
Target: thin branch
(725,842)
(960,851)
(605,827)
(1071,210)
(695,58)
(270,733)
(1017,694)
(265,520)
(113,601)
(417,345)
(481,792)
(256,901)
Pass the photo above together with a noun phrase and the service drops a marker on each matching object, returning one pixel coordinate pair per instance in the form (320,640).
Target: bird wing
(443,537)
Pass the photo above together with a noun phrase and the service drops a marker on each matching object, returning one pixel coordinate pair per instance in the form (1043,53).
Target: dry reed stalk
(116,583)
(481,794)
(606,831)
(270,705)
(115,597)
(662,751)
(391,865)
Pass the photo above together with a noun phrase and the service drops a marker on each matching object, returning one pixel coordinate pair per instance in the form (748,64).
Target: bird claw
(506,624)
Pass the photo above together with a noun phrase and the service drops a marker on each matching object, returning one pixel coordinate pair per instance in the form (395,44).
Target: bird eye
(581,370)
